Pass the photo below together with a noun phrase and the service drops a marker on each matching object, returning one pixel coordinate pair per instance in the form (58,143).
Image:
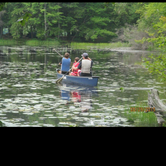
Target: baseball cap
(84,54)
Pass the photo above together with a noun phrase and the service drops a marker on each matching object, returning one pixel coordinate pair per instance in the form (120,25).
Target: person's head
(66,55)
(76,59)
(85,55)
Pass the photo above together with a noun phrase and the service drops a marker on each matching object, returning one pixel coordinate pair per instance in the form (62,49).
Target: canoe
(85,81)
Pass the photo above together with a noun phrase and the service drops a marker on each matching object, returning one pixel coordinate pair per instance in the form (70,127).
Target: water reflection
(78,95)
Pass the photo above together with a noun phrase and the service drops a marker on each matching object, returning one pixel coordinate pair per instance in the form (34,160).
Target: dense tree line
(141,24)
(73,21)
(153,22)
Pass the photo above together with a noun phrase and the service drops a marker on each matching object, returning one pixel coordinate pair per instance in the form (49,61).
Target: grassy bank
(33,42)
(52,42)
(77,45)
(141,119)
(6,42)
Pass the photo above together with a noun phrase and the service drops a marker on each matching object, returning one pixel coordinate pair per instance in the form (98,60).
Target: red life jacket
(75,65)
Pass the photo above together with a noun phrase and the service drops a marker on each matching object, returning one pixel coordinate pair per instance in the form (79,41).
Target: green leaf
(26,17)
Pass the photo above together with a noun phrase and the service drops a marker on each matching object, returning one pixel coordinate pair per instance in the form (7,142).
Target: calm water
(30,97)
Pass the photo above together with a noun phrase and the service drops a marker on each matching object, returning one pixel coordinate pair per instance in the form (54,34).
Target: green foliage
(80,45)
(1,124)
(7,42)
(140,119)
(25,18)
(36,42)
(157,65)
(15,30)
(153,22)
(74,20)
(126,13)
(2,4)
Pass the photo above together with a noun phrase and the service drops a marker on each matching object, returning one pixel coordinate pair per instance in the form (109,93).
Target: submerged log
(155,101)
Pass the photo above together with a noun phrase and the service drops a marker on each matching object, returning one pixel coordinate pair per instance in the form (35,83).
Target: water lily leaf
(130,120)
(122,89)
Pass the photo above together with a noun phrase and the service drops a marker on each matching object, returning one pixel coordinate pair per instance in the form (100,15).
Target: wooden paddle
(57,52)
(60,79)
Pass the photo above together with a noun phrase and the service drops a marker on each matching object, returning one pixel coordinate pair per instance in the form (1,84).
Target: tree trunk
(21,32)
(58,24)
(45,20)
(31,32)
(1,31)
(58,29)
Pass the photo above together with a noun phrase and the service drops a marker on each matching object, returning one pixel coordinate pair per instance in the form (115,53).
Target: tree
(1,22)
(126,13)
(2,4)
(86,21)
(78,21)
(154,16)
(18,10)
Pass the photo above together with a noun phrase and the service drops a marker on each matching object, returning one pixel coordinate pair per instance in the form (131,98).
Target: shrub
(131,34)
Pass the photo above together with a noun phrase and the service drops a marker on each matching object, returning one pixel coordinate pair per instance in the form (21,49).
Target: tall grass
(8,42)
(52,42)
(35,42)
(141,119)
(78,45)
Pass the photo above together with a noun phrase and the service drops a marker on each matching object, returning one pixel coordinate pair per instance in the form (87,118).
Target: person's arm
(71,64)
(60,62)
(89,59)
(72,68)
(78,67)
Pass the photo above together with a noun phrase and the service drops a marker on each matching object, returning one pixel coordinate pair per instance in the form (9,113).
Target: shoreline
(129,49)
(118,46)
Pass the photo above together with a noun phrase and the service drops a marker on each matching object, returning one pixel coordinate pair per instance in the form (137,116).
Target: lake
(30,97)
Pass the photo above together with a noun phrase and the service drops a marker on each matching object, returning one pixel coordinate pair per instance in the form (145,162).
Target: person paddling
(85,66)
(65,64)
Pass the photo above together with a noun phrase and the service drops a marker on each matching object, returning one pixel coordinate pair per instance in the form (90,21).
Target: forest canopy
(142,24)
(72,21)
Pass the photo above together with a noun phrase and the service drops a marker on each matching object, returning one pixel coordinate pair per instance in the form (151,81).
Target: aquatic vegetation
(140,118)
(30,97)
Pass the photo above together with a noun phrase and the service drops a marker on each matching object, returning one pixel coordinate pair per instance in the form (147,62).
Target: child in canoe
(76,63)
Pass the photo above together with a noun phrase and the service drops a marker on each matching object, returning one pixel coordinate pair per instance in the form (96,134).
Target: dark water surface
(30,97)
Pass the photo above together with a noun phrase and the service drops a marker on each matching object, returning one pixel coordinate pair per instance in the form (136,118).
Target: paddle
(57,52)
(60,79)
